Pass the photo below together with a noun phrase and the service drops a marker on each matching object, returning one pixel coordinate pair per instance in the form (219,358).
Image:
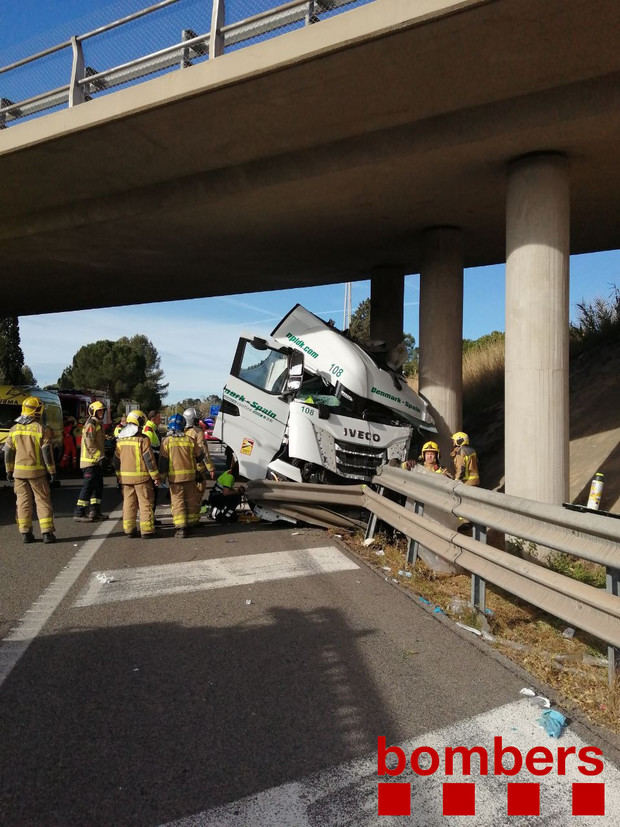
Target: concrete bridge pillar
(441,330)
(387,290)
(537,283)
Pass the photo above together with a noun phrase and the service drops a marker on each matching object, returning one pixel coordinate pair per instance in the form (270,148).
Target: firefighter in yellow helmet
(88,505)
(465,460)
(28,458)
(430,458)
(136,470)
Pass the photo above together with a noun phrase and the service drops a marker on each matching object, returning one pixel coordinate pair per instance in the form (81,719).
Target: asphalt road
(241,676)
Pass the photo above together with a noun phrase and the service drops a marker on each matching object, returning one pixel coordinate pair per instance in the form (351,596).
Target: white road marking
(19,638)
(223,572)
(347,794)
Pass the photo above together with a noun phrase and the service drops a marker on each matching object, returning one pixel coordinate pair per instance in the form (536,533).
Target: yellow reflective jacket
(466,465)
(180,458)
(150,430)
(134,460)
(196,434)
(93,442)
(28,451)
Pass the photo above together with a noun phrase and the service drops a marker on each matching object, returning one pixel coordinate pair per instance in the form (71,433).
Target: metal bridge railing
(71,76)
(588,536)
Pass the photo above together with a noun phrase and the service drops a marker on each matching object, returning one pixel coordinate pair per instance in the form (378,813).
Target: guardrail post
(413,546)
(372,520)
(613,654)
(218,18)
(77,93)
(478,585)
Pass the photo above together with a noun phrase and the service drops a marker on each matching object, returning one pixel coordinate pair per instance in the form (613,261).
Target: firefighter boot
(49,537)
(95,515)
(28,537)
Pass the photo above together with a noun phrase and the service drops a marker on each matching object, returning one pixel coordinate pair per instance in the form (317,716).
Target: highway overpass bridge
(397,137)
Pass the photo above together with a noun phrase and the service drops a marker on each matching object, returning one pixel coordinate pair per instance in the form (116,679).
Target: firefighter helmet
(430,446)
(460,438)
(176,423)
(94,407)
(32,406)
(136,418)
(191,416)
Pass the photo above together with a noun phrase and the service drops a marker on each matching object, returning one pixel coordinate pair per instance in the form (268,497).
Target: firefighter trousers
(182,501)
(34,492)
(138,497)
(91,491)
(195,501)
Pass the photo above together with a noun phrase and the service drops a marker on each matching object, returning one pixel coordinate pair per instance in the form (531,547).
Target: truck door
(253,417)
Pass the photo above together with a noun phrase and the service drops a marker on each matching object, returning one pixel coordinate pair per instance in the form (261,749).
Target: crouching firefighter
(136,470)
(182,460)
(29,458)
(224,498)
(92,457)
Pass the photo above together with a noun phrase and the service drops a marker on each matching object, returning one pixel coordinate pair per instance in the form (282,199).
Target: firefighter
(224,498)
(28,458)
(181,459)
(465,460)
(69,455)
(136,469)
(120,426)
(195,432)
(92,457)
(430,458)
(151,429)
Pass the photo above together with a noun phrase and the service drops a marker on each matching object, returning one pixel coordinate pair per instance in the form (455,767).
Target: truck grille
(358,462)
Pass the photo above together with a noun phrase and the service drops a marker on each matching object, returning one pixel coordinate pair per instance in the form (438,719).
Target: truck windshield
(315,391)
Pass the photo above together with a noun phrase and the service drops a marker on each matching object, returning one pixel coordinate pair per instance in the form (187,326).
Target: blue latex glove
(553,722)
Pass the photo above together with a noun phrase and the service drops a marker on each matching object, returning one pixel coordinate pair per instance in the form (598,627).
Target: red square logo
(523,799)
(588,799)
(394,799)
(459,799)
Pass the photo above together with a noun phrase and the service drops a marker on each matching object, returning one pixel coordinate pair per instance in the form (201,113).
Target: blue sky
(196,338)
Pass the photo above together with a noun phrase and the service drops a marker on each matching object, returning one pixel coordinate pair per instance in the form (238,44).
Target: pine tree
(11,355)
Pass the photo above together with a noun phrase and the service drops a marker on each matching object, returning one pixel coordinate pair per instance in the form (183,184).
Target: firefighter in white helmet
(195,433)
(28,459)
(136,470)
(88,505)
(465,460)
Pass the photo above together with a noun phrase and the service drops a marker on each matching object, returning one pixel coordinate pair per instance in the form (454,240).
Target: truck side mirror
(295,368)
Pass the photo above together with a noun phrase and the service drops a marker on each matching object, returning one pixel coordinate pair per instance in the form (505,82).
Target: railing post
(413,546)
(478,585)
(76,92)
(372,520)
(218,18)
(613,654)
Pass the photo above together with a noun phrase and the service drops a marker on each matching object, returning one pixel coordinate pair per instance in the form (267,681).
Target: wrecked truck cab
(310,405)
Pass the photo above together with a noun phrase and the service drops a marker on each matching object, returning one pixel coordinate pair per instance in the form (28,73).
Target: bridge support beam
(537,283)
(387,290)
(441,330)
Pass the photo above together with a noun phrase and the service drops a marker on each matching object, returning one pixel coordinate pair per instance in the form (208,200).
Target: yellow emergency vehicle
(11,398)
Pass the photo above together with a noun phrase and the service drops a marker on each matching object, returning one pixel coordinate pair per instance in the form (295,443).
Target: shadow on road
(141,725)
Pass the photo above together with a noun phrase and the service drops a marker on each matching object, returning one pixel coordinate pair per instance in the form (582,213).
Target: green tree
(27,377)
(11,355)
(125,369)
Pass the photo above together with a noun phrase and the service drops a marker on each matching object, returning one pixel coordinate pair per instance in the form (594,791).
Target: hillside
(594,428)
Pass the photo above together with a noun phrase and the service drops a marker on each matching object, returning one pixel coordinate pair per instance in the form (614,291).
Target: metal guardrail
(86,81)
(586,536)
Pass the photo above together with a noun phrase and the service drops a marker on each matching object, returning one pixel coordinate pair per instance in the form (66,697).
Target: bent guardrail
(590,537)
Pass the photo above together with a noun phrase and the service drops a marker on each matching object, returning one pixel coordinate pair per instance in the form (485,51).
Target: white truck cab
(309,404)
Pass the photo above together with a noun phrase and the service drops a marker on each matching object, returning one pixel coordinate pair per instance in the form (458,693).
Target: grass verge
(575,666)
